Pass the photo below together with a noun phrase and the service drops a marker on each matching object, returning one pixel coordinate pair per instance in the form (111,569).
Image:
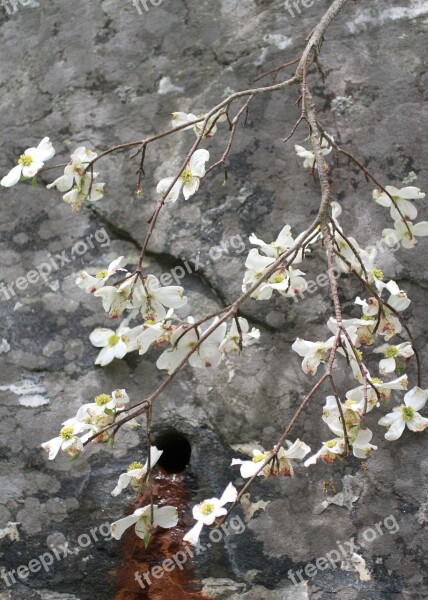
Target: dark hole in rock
(176,451)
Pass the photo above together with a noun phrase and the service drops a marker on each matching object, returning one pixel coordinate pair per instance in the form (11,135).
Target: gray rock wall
(99,73)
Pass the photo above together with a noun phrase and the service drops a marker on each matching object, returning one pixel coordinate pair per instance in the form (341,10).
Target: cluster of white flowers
(142,294)
(403,212)
(210,353)
(159,328)
(133,291)
(309,156)
(287,282)
(281,463)
(90,419)
(371,391)
(78,184)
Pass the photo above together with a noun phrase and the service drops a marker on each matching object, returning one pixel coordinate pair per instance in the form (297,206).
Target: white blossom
(309,156)
(329,452)
(401,199)
(207,511)
(281,465)
(156,333)
(384,388)
(181,118)
(313,353)
(361,446)
(116,299)
(68,440)
(283,242)
(189,178)
(288,282)
(74,171)
(165,517)
(406,233)
(76,182)
(406,415)
(388,364)
(114,344)
(152,298)
(231,343)
(184,339)
(87,189)
(102,412)
(136,472)
(91,283)
(29,163)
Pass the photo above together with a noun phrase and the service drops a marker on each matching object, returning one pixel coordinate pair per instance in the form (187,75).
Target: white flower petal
(417,423)
(229,495)
(190,188)
(45,150)
(395,423)
(420,229)
(171,296)
(53,447)
(416,398)
(105,356)
(298,450)
(12,177)
(387,365)
(123,483)
(165,184)
(119,527)
(192,536)
(100,336)
(166,517)
(197,162)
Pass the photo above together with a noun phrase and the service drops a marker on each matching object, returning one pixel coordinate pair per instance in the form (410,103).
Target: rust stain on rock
(177,584)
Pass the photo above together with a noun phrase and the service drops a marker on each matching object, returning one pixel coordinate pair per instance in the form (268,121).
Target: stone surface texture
(99,73)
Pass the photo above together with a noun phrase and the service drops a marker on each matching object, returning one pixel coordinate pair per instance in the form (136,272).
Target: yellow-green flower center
(359,354)
(113,340)
(278,279)
(376,381)
(259,458)
(102,399)
(25,160)
(407,412)
(378,274)
(67,432)
(367,318)
(186,176)
(207,507)
(391,352)
(101,274)
(331,443)
(135,465)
